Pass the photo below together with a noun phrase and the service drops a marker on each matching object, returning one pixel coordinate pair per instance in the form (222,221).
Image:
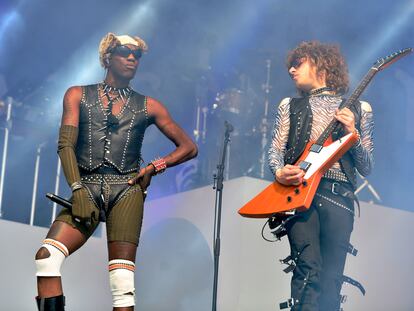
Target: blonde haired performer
(100,141)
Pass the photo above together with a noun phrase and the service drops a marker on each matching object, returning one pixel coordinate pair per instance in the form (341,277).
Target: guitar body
(277,198)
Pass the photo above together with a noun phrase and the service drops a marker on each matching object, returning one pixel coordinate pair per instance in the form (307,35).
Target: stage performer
(100,141)
(319,237)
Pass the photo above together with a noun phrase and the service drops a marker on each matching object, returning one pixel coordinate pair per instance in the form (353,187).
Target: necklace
(319,91)
(121,91)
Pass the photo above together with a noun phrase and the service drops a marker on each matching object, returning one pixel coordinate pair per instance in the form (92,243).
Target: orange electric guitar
(317,158)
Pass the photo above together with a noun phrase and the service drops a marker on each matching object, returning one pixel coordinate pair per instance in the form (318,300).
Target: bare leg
(122,250)
(73,239)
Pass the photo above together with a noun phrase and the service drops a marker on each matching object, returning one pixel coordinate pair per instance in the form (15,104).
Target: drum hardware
(231,100)
(365,183)
(196,131)
(204,131)
(201,124)
(264,126)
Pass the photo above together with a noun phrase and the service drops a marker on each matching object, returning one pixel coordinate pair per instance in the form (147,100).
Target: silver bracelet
(76,186)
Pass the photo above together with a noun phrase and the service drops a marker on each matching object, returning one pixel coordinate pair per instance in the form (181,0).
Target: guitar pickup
(316,148)
(303,165)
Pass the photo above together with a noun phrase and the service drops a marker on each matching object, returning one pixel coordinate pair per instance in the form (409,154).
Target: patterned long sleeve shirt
(323,110)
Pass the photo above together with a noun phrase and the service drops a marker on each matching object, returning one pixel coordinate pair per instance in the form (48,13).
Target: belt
(104,170)
(339,188)
(110,179)
(336,175)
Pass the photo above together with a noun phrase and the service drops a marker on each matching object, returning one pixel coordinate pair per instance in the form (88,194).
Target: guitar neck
(348,103)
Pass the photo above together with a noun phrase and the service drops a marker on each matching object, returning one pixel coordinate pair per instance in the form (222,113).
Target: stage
(175,262)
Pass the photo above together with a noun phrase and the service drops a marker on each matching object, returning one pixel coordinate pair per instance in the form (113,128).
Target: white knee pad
(50,266)
(121,280)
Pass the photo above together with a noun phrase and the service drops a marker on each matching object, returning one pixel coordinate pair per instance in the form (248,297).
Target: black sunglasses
(125,51)
(297,62)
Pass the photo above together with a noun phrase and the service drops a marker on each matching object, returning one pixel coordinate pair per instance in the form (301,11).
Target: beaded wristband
(159,164)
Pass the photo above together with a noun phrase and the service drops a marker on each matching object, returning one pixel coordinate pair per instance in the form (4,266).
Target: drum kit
(233,106)
(247,151)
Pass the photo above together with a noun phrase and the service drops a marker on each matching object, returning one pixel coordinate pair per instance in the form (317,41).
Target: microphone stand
(218,186)
(35,182)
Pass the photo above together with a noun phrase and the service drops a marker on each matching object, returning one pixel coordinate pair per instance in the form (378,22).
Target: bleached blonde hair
(110,41)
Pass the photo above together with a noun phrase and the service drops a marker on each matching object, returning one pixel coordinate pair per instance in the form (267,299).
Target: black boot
(56,303)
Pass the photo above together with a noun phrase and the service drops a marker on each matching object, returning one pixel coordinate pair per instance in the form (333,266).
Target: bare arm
(71,102)
(185,148)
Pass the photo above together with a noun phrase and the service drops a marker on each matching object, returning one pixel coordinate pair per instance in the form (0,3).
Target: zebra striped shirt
(323,110)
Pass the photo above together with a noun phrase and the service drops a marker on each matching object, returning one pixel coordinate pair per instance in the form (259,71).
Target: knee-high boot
(56,303)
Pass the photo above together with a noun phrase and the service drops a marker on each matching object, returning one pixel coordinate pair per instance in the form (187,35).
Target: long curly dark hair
(328,59)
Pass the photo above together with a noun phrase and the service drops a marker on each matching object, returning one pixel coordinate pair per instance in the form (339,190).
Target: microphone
(59,200)
(229,127)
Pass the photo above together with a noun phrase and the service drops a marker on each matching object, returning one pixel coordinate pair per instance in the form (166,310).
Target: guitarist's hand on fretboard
(347,118)
(289,175)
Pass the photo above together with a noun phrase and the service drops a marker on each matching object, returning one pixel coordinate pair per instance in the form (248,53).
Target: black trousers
(319,240)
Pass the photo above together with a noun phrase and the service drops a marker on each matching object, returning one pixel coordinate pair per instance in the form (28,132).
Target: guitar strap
(291,262)
(347,279)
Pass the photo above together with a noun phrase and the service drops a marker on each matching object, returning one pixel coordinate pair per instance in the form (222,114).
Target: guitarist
(319,237)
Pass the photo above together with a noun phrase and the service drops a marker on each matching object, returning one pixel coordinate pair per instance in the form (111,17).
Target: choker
(319,91)
(121,91)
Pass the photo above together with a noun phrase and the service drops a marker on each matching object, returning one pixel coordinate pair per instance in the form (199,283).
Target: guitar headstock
(388,60)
